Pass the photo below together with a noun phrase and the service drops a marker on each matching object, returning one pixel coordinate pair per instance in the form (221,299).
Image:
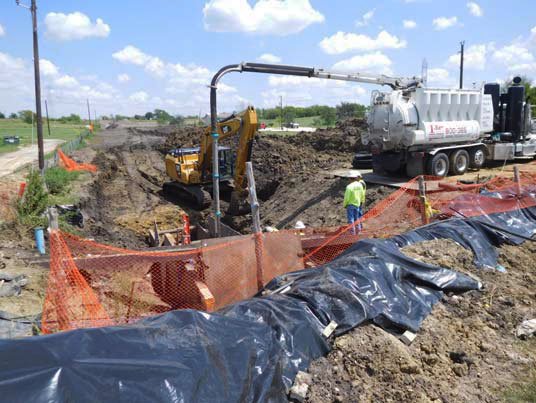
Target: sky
(130,57)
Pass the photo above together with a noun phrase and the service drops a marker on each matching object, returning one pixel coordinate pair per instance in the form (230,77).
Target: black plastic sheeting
(252,350)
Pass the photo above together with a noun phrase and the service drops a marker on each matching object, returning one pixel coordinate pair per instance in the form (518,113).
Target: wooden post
(187,239)
(517,179)
(156,235)
(256,218)
(422,197)
(53,224)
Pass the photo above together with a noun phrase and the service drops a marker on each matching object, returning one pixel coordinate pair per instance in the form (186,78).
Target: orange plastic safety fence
(92,284)
(71,165)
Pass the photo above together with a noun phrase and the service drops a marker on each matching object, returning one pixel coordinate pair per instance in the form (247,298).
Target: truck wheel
(477,157)
(438,165)
(459,162)
(415,167)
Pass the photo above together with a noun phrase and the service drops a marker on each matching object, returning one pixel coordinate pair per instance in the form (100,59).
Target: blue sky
(131,57)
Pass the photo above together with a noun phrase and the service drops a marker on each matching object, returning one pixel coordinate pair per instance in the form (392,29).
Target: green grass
(308,121)
(15,127)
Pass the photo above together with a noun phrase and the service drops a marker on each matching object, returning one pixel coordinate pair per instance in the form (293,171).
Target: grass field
(306,122)
(15,127)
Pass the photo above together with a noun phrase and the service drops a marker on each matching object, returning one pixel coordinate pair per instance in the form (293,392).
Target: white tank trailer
(440,131)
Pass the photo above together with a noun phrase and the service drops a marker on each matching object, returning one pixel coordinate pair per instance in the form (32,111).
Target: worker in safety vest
(354,200)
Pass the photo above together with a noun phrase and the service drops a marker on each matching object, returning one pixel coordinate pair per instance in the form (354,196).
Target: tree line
(28,116)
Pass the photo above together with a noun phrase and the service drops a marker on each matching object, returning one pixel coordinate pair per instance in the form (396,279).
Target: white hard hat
(299,225)
(356,174)
(271,229)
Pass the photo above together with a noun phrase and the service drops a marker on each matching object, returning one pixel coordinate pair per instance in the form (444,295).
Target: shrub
(35,198)
(58,179)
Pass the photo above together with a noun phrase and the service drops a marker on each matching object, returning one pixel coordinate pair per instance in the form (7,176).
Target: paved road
(10,162)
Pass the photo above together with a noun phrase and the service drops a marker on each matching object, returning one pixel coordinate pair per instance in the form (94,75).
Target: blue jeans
(354,213)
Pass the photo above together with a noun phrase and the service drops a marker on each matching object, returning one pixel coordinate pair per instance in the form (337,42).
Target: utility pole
(88,112)
(281,111)
(462,45)
(37,79)
(48,120)
(424,72)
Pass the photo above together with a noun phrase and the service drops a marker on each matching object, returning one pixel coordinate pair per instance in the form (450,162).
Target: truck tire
(415,167)
(438,165)
(459,162)
(477,157)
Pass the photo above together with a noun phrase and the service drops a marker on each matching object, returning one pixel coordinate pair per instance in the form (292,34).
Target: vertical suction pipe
(215,144)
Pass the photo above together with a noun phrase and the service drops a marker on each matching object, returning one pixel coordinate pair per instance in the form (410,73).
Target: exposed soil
(125,199)
(466,350)
(291,172)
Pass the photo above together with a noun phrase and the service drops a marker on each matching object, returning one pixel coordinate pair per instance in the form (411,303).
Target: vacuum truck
(432,131)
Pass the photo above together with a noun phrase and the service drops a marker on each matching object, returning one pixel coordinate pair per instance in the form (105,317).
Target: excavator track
(193,194)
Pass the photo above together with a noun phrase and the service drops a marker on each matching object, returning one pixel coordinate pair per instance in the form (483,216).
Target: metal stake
(256,219)
(422,197)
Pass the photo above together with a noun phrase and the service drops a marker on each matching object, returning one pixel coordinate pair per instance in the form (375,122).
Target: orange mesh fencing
(92,284)
(71,165)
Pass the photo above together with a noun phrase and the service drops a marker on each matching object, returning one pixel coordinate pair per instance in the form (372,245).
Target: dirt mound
(166,217)
(345,137)
(465,351)
(183,137)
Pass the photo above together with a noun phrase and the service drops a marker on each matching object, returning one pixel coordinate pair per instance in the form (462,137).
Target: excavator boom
(190,169)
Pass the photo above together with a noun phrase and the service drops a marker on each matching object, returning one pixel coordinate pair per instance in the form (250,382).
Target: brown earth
(466,350)
(291,172)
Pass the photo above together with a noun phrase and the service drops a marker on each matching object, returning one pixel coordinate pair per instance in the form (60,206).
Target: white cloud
(365,19)
(2,30)
(441,23)
(438,74)
(269,58)
(131,55)
(65,94)
(533,35)
(342,42)
(409,24)
(513,53)
(440,77)
(68,27)
(377,61)
(475,57)
(140,97)
(275,17)
(297,81)
(66,81)
(475,9)
(123,78)
(516,58)
(47,68)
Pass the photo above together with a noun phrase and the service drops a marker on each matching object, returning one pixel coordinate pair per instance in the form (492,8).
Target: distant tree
(149,116)
(162,116)
(328,116)
(139,117)
(530,89)
(177,120)
(72,118)
(349,110)
(13,115)
(27,116)
(289,115)
(2,116)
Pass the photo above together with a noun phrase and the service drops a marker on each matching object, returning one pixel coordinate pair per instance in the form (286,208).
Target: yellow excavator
(190,169)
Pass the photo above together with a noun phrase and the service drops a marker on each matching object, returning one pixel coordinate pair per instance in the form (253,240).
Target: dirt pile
(183,137)
(345,137)
(291,172)
(465,351)
(165,216)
